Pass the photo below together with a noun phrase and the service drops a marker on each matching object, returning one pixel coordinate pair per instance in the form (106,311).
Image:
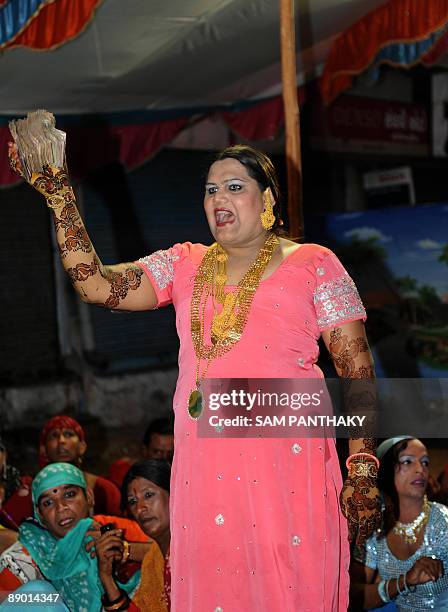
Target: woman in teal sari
(52,546)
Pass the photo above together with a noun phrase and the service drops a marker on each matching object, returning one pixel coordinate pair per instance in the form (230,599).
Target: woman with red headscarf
(63,439)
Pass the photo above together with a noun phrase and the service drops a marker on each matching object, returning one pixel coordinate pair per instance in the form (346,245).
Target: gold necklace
(221,273)
(410,531)
(227,326)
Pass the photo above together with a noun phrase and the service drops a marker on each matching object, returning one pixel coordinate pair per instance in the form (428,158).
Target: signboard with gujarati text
(354,124)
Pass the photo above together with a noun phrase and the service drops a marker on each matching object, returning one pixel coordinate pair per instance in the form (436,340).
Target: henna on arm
(72,231)
(353,361)
(121,283)
(109,286)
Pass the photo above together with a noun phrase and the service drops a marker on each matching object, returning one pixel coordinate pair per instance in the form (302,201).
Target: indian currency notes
(38,142)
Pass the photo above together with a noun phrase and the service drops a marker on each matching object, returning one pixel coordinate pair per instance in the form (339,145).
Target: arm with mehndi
(121,286)
(351,356)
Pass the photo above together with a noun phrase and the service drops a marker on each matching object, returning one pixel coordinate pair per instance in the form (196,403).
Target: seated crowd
(114,553)
(55,538)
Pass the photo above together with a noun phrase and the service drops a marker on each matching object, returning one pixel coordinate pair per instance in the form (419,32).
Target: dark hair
(261,169)
(386,485)
(163,427)
(158,472)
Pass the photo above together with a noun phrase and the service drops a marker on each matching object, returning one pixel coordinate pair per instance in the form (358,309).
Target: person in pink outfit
(256,523)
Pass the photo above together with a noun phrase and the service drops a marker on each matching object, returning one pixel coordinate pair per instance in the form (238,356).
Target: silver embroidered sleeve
(160,266)
(337,301)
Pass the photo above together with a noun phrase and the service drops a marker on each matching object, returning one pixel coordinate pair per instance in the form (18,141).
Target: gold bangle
(126,551)
(364,457)
(116,606)
(363,470)
(56,201)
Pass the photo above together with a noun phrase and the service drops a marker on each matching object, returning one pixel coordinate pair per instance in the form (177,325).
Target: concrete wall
(114,412)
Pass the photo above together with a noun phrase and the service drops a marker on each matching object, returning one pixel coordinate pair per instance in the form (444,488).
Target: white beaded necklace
(410,531)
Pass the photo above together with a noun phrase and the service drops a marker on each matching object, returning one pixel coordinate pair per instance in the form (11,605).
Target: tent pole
(292,118)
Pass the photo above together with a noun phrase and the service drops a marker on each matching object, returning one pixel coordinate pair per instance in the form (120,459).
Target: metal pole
(292,118)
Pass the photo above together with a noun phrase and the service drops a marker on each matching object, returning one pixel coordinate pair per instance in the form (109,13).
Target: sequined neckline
(418,549)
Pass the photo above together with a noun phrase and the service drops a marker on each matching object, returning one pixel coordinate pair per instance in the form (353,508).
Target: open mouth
(66,522)
(419,482)
(223,217)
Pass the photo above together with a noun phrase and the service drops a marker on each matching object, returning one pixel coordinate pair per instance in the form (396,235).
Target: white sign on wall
(386,180)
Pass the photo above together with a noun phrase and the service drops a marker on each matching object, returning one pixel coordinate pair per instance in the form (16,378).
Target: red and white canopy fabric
(124,78)
(43,24)
(156,54)
(399,33)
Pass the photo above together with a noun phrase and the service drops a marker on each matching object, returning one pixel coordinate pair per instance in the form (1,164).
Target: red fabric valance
(396,21)
(132,144)
(262,121)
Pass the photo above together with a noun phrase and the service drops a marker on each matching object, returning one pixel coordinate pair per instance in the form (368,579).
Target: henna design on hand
(52,181)
(121,284)
(360,496)
(360,505)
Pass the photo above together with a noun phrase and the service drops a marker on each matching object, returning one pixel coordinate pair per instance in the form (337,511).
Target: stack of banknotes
(38,141)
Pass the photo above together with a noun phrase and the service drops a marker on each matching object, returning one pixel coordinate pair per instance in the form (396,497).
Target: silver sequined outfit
(429,596)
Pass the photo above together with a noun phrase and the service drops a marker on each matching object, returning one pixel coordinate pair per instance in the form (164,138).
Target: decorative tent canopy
(154,54)
(400,33)
(133,75)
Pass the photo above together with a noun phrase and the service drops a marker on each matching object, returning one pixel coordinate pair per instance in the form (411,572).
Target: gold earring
(267,216)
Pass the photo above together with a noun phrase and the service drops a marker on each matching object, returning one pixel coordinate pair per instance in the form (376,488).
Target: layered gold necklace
(228,325)
(410,531)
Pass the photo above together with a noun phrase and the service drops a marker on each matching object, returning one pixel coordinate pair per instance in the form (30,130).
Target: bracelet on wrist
(383,591)
(110,602)
(408,588)
(123,604)
(364,457)
(120,603)
(55,202)
(363,470)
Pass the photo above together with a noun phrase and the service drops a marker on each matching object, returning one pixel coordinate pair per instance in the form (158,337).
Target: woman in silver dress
(406,561)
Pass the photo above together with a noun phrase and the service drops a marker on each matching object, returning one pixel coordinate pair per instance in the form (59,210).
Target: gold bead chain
(228,326)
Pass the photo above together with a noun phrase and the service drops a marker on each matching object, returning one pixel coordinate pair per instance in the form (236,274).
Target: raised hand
(52,183)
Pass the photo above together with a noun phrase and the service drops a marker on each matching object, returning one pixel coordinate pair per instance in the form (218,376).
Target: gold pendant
(223,322)
(195,404)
